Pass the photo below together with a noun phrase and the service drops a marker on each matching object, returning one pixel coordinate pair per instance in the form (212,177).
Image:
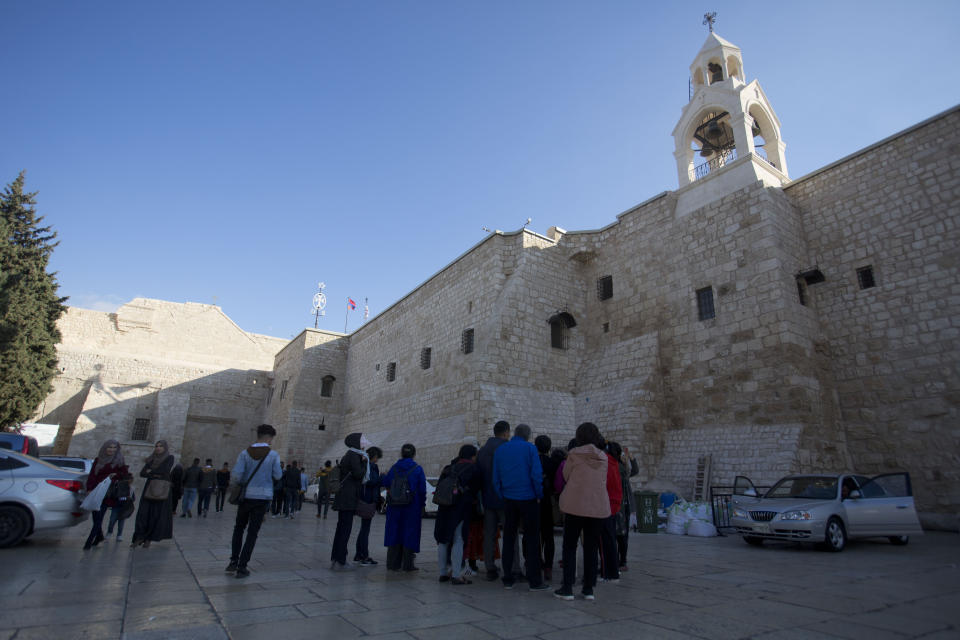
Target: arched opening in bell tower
(764,136)
(698,78)
(715,69)
(733,67)
(712,142)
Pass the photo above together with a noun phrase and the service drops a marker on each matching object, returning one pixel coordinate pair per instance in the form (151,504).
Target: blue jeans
(189,498)
(455,568)
(289,502)
(115,519)
(204,505)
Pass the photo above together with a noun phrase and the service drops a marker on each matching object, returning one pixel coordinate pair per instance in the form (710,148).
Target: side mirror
(855,494)
(750,493)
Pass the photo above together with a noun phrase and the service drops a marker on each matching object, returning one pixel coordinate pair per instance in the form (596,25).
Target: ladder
(701,482)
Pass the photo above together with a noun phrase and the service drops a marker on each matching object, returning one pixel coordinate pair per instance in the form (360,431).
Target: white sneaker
(119,539)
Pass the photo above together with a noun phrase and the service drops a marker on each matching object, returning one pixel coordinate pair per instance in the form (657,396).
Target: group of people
(507,484)
(288,491)
(510,482)
(197,485)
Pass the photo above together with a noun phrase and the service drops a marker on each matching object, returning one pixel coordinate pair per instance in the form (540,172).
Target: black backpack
(400,494)
(333,479)
(448,489)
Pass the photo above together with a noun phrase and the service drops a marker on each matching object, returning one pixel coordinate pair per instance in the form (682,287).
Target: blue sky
(238,153)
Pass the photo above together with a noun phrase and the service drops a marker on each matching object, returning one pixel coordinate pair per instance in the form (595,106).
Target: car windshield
(806,487)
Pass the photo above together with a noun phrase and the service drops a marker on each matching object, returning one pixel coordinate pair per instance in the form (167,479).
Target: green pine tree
(29,307)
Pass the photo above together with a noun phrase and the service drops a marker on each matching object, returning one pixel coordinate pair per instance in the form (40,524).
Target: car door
(7,463)
(743,486)
(884,507)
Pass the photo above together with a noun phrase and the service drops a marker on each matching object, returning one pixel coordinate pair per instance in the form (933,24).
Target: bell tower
(728,127)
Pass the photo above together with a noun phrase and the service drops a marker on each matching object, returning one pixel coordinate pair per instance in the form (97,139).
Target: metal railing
(720,497)
(761,152)
(720,159)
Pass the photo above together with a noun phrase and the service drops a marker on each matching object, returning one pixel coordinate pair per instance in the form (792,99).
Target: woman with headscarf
(451,529)
(155,516)
(109,464)
(354,471)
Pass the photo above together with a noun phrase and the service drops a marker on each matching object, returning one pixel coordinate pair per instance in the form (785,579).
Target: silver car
(36,495)
(826,509)
(83,465)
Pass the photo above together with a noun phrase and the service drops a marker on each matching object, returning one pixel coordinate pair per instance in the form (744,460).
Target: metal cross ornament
(709,18)
(319,304)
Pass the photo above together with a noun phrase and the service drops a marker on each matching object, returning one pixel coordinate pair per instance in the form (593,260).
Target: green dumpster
(647,503)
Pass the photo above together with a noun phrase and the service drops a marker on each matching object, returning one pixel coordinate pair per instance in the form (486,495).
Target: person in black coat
(453,521)
(353,471)
(223,482)
(155,517)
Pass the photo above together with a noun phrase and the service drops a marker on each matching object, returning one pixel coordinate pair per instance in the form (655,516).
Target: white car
(83,465)
(826,509)
(429,509)
(36,495)
(311,494)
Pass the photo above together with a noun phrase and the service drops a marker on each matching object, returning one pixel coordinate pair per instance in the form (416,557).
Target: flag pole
(346,315)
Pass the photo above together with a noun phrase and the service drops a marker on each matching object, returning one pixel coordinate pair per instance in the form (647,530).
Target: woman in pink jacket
(584,503)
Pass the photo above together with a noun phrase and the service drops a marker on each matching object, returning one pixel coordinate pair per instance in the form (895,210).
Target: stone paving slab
(677,587)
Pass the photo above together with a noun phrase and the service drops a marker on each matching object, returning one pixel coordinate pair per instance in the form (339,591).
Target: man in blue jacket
(518,480)
(257,467)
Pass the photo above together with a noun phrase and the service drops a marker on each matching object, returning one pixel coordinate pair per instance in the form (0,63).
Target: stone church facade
(776,325)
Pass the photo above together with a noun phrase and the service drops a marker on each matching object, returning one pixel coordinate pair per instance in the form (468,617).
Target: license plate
(761,528)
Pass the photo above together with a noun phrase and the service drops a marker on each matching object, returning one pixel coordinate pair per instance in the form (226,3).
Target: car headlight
(740,513)
(796,515)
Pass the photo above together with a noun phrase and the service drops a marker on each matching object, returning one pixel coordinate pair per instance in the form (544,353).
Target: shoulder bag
(157,489)
(237,490)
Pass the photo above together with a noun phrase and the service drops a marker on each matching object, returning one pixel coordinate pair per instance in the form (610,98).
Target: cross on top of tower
(709,18)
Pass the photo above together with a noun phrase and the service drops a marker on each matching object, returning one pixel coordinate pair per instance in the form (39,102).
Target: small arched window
(326,387)
(560,325)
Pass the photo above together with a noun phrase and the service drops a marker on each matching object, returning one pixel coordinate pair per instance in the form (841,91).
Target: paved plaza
(677,587)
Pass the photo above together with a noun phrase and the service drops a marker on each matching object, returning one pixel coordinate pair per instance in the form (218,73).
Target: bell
(714,131)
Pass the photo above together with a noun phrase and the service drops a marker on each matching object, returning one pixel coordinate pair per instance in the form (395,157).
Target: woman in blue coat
(402,529)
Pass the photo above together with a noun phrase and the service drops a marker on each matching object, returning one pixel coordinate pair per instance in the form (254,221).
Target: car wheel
(899,540)
(14,525)
(835,538)
(753,540)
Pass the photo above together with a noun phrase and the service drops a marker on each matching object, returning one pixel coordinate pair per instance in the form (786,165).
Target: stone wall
(303,364)
(198,379)
(895,347)
(855,378)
